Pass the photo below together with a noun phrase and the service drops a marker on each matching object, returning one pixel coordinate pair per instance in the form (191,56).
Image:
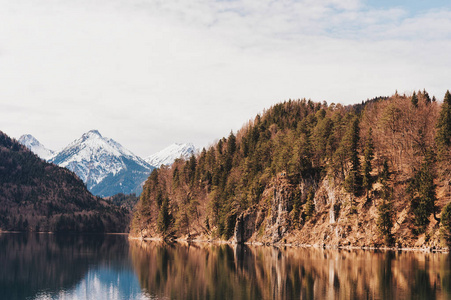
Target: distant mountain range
(38,196)
(104,165)
(168,155)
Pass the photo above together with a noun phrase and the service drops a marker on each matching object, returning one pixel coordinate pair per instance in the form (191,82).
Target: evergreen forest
(370,174)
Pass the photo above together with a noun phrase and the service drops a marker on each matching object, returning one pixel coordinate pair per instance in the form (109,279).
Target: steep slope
(168,155)
(35,146)
(366,175)
(104,165)
(39,196)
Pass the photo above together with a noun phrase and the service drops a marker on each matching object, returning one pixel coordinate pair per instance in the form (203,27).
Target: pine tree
(231,144)
(175,177)
(422,191)
(190,169)
(164,220)
(309,209)
(427,99)
(443,136)
(367,167)
(414,100)
(385,210)
(353,179)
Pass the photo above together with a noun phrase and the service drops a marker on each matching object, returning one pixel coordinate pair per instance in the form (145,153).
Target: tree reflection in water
(52,266)
(104,267)
(212,271)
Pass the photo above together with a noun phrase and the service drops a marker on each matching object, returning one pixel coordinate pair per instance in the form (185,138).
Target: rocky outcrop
(327,199)
(275,224)
(270,223)
(245,226)
(279,221)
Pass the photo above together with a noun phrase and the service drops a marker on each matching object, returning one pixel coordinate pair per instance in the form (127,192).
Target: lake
(51,266)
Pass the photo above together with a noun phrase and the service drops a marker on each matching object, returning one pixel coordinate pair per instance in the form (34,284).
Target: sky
(150,73)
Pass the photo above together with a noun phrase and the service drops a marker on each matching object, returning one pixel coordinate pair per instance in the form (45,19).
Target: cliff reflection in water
(205,271)
(51,266)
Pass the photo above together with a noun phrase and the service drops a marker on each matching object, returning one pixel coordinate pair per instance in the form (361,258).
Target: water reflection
(34,266)
(204,271)
(43,266)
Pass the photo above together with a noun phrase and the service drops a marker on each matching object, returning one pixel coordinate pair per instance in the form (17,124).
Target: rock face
(282,203)
(256,224)
(245,226)
(271,223)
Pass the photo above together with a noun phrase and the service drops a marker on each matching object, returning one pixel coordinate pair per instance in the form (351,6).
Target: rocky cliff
(340,219)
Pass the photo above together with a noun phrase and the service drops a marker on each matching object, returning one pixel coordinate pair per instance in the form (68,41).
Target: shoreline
(54,232)
(296,245)
(443,250)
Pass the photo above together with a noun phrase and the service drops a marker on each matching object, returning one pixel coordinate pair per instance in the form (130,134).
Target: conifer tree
(231,148)
(367,167)
(427,99)
(164,220)
(231,144)
(353,179)
(175,177)
(190,169)
(310,204)
(443,136)
(414,100)
(422,191)
(385,210)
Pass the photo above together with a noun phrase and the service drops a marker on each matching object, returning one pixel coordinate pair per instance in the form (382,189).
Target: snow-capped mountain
(169,154)
(104,165)
(35,146)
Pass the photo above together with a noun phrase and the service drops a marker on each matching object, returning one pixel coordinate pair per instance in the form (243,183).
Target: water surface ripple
(51,266)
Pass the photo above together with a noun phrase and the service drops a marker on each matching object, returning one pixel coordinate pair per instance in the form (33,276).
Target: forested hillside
(39,196)
(303,172)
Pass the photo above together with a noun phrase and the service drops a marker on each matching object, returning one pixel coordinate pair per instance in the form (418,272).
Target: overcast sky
(150,73)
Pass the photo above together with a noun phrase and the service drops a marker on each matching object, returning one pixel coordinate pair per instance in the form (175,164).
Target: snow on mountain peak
(28,139)
(94,133)
(106,166)
(35,146)
(168,155)
(94,158)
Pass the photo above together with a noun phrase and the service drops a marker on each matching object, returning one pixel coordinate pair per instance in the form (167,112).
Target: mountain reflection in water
(54,266)
(45,266)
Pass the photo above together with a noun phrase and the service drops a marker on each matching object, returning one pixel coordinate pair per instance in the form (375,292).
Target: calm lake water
(45,266)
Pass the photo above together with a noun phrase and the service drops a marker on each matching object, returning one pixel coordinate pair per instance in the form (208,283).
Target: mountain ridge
(103,164)
(39,196)
(168,155)
(106,167)
(36,147)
